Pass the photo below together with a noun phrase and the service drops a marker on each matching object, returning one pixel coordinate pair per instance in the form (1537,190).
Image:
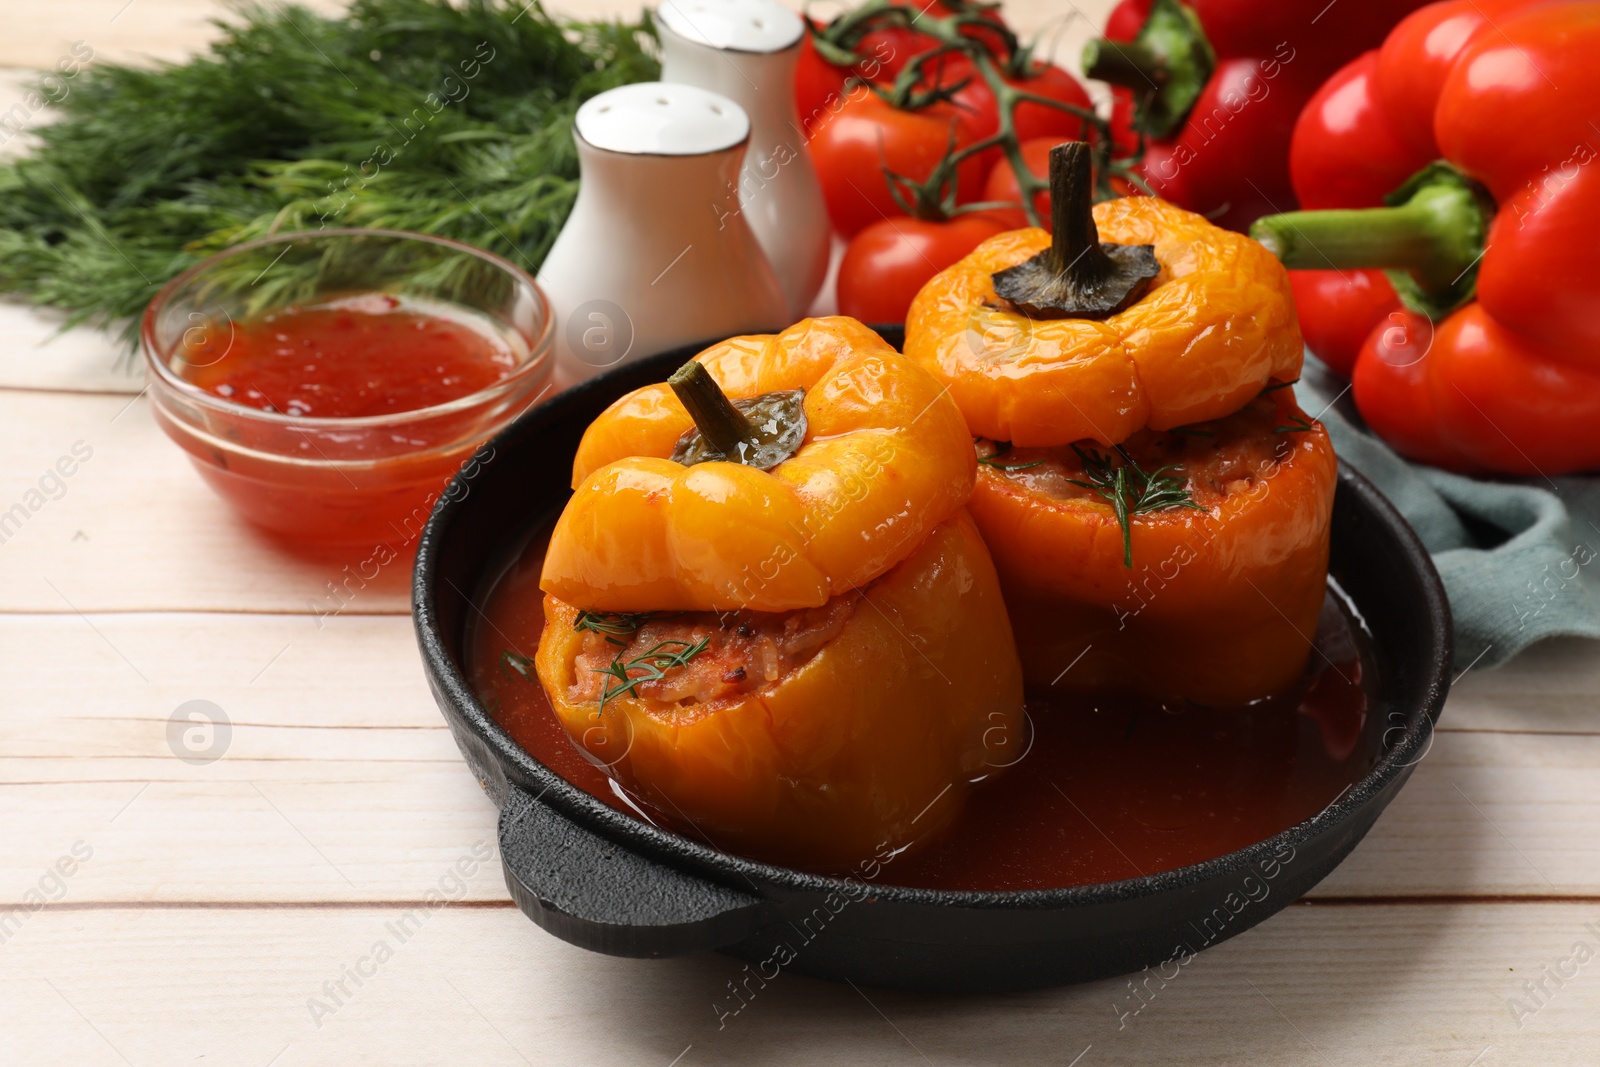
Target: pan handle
(601,896)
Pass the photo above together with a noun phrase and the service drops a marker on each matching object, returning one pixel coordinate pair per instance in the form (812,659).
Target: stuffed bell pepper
(768,614)
(1450,268)
(1151,493)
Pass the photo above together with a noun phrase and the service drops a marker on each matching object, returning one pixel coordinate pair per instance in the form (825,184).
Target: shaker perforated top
(662,119)
(736,25)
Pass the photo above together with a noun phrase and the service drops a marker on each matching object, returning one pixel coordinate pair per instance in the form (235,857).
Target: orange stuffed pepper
(768,614)
(1172,321)
(1157,504)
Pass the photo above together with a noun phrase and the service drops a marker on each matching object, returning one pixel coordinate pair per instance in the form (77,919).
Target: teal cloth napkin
(1520,558)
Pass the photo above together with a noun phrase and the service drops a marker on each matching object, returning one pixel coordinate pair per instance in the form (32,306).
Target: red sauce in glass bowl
(328,383)
(1107,789)
(342,422)
(366,356)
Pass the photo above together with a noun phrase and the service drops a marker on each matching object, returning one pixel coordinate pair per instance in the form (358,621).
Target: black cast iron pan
(600,879)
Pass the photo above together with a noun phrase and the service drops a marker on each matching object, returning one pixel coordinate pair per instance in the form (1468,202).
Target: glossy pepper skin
(871,743)
(886,458)
(1217,324)
(1508,382)
(1220,605)
(1225,159)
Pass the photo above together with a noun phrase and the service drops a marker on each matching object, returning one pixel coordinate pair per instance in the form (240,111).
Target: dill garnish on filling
(652,665)
(615,625)
(1130,490)
(993,459)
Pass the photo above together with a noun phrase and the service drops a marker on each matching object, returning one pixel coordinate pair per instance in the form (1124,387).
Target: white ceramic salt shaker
(655,253)
(746,50)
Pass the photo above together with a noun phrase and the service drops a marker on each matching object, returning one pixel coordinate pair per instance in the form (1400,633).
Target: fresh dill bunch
(404,114)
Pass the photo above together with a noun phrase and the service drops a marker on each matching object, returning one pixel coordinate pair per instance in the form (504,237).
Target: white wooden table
(202,913)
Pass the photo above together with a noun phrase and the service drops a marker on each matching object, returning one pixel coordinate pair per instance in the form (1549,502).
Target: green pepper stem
(718,421)
(1125,63)
(1437,235)
(1167,65)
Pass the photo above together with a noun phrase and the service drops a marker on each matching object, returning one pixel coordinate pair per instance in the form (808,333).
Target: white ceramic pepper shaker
(746,50)
(655,253)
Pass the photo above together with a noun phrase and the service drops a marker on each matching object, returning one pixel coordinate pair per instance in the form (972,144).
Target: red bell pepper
(1215,88)
(1475,125)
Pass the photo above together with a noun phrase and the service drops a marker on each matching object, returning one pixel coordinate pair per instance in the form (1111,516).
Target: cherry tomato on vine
(994,42)
(868,134)
(1037,120)
(1032,120)
(1002,184)
(886,264)
(884,52)
(893,47)
(819,86)
(1029,120)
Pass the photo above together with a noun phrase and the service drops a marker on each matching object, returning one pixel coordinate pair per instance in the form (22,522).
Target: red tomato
(853,147)
(894,47)
(995,42)
(1037,120)
(890,261)
(973,100)
(1002,184)
(884,53)
(1030,120)
(819,86)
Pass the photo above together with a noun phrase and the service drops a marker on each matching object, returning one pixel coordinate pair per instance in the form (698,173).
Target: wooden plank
(1486,814)
(1550,688)
(341,783)
(36,353)
(338,781)
(1502,801)
(1400,986)
(134,528)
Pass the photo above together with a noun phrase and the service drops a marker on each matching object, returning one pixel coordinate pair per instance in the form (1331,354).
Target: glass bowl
(370,479)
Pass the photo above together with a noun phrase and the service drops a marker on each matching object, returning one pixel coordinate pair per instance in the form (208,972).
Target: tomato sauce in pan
(1104,789)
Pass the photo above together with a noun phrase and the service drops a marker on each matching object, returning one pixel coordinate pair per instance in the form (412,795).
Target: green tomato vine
(967,32)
